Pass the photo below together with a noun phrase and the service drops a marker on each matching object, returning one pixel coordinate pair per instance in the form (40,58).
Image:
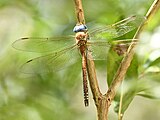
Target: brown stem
(153,9)
(103,101)
(97,95)
(119,76)
(100,100)
(90,63)
(79,12)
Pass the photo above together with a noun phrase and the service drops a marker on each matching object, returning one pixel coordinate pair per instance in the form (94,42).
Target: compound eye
(85,27)
(80,28)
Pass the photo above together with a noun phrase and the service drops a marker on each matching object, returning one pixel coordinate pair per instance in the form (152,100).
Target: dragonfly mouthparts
(80,28)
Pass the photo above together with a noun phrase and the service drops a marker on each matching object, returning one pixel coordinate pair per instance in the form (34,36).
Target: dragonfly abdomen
(85,83)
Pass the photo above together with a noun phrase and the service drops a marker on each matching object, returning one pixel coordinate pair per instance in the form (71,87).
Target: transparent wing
(43,44)
(52,62)
(98,50)
(116,30)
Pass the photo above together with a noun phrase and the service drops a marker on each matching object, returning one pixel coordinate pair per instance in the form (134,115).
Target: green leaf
(132,71)
(151,92)
(155,62)
(150,96)
(152,76)
(148,85)
(112,65)
(130,86)
(127,99)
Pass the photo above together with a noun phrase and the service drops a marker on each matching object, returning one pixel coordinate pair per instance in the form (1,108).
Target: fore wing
(116,30)
(36,44)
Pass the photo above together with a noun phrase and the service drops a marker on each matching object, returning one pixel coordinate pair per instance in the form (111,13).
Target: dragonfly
(62,51)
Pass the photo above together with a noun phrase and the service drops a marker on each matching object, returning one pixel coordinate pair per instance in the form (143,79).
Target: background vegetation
(58,96)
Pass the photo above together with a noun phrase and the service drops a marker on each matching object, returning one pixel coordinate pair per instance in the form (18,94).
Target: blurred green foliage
(58,96)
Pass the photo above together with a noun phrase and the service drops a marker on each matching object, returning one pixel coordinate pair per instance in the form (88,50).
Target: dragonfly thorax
(81,38)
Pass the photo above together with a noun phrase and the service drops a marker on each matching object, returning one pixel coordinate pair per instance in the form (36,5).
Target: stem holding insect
(90,63)
(103,102)
(79,12)
(100,100)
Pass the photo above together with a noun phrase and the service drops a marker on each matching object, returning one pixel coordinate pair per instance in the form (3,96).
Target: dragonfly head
(80,28)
